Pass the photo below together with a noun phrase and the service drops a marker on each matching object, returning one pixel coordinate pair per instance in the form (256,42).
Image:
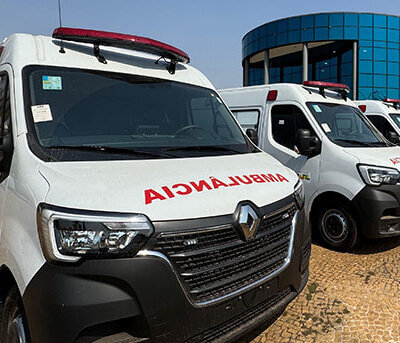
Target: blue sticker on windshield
(317,108)
(51,82)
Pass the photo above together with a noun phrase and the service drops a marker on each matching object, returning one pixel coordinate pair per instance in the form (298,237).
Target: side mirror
(252,134)
(306,144)
(393,137)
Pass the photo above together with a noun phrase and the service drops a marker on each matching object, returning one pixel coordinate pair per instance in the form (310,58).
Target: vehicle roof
(256,95)
(22,49)
(377,106)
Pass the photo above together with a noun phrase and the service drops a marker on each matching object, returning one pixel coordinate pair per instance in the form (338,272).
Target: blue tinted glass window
(392,45)
(262,31)
(365,67)
(393,55)
(393,93)
(365,93)
(365,80)
(294,36)
(321,33)
(379,20)
(347,69)
(379,33)
(393,35)
(380,44)
(366,33)
(365,19)
(347,56)
(393,81)
(393,23)
(336,19)
(271,40)
(271,27)
(393,68)
(294,23)
(282,25)
(321,20)
(336,32)
(365,43)
(282,38)
(379,93)
(365,53)
(263,43)
(351,19)
(379,54)
(350,32)
(379,80)
(307,21)
(379,67)
(307,35)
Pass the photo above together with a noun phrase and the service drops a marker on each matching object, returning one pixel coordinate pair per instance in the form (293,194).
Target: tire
(13,322)
(337,228)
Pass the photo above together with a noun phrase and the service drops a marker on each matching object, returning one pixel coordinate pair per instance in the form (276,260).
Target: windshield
(396,118)
(77,114)
(345,125)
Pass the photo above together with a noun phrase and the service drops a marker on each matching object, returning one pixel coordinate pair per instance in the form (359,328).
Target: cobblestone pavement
(350,297)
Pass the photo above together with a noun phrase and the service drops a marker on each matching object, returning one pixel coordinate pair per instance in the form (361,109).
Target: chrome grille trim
(159,255)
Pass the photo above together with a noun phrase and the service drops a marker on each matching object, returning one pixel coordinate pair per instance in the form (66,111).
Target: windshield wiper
(108,149)
(201,148)
(351,141)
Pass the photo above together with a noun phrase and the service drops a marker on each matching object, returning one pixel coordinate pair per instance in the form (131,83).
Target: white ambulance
(350,171)
(385,115)
(133,208)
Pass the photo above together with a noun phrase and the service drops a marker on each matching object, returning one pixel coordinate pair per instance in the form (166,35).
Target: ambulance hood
(383,156)
(169,189)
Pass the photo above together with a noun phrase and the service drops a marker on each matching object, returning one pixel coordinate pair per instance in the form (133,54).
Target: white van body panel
(111,185)
(335,168)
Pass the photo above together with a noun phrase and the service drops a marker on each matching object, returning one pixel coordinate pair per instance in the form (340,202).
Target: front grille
(235,323)
(215,262)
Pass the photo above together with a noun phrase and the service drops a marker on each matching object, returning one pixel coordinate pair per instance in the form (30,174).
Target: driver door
(283,122)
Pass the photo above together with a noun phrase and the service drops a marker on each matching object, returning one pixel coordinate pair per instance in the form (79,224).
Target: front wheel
(13,322)
(337,228)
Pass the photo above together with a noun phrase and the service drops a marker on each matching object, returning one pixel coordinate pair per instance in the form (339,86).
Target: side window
(5,108)
(286,120)
(381,124)
(247,119)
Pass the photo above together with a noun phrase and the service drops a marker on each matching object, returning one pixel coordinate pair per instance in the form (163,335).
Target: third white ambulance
(349,169)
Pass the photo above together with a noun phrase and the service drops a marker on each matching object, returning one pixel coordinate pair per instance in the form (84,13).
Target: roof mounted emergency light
(120,40)
(394,102)
(363,108)
(340,88)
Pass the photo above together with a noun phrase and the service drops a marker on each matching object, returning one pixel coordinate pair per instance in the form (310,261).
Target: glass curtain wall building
(358,49)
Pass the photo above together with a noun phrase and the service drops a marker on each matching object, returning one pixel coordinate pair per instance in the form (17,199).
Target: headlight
(67,235)
(299,194)
(376,176)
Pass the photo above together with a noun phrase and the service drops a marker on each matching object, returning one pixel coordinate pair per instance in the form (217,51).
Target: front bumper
(143,298)
(378,210)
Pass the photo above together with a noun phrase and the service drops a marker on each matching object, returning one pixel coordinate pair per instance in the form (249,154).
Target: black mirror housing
(393,137)
(306,144)
(252,134)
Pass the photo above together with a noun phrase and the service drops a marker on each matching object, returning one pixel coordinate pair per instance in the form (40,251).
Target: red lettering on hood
(395,160)
(180,189)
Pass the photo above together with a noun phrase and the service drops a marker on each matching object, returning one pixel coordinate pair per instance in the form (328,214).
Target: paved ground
(350,297)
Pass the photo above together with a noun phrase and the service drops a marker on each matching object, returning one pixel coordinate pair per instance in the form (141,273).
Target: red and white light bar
(327,85)
(392,101)
(121,40)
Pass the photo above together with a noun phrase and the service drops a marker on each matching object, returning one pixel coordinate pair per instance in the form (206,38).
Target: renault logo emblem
(248,221)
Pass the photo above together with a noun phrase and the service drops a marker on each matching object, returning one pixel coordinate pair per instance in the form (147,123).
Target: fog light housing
(67,235)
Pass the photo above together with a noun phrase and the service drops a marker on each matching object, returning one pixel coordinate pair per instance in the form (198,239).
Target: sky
(210,31)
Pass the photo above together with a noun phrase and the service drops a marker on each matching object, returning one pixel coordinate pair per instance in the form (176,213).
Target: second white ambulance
(385,115)
(349,169)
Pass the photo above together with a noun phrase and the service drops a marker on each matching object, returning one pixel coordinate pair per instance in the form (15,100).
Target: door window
(247,119)
(381,124)
(286,120)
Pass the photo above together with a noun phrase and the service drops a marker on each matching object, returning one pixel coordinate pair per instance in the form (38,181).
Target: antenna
(62,51)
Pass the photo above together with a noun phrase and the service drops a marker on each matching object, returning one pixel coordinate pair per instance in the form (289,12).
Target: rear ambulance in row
(385,115)
(350,171)
(133,208)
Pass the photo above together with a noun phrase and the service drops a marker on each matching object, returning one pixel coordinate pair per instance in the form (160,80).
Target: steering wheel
(193,127)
